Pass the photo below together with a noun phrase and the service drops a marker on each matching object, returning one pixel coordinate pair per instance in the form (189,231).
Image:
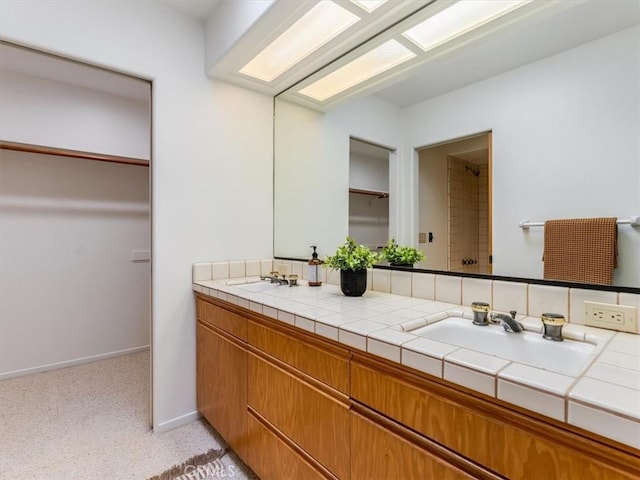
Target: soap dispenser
(314,269)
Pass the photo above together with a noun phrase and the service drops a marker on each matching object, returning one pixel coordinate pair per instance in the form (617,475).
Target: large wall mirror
(555,100)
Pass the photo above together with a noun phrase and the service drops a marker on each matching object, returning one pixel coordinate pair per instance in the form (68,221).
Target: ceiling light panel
(459,18)
(323,22)
(380,59)
(369,5)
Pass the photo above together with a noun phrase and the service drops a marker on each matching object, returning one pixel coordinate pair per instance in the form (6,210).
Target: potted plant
(401,256)
(352,260)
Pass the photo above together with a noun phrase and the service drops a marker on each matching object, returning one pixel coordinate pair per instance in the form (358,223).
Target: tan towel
(582,250)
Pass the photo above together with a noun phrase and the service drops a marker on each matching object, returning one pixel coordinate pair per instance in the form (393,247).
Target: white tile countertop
(603,397)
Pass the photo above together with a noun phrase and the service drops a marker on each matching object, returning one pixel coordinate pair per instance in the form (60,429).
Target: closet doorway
(368,193)
(455,204)
(75,214)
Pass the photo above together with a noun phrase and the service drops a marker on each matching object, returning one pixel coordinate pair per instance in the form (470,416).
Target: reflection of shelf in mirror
(373,193)
(64,152)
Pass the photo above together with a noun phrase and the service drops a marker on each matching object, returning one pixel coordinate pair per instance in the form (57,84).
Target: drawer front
(379,453)
(221,370)
(230,322)
(510,450)
(317,423)
(330,367)
(272,459)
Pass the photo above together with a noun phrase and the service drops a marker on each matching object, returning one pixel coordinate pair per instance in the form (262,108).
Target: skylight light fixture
(372,63)
(459,18)
(369,5)
(318,26)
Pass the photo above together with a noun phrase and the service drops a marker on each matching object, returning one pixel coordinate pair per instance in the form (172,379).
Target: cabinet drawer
(328,364)
(379,453)
(490,435)
(313,420)
(230,322)
(272,459)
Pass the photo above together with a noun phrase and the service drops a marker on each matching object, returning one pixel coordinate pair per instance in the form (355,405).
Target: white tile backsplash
(449,289)
(401,283)
(201,271)
(476,290)
(252,268)
(509,296)
(237,269)
(266,266)
(632,299)
(382,280)
(423,285)
(548,299)
(220,270)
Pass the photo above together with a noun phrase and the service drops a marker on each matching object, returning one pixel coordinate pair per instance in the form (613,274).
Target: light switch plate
(623,318)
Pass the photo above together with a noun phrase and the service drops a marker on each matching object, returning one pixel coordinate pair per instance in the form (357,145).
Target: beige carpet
(92,421)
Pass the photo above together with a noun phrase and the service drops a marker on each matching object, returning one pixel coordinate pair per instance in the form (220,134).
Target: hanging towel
(582,250)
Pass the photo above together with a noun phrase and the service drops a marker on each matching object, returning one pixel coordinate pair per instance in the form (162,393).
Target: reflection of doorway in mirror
(368,194)
(455,205)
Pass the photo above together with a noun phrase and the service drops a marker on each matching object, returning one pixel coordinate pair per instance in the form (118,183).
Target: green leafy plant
(351,256)
(401,255)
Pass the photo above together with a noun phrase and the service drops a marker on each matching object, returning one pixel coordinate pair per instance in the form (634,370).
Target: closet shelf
(369,192)
(63,152)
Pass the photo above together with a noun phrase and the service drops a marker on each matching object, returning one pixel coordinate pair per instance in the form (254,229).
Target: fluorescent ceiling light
(372,63)
(460,18)
(369,5)
(323,22)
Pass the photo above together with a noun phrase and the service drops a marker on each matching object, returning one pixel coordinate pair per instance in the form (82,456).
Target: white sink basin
(567,357)
(258,286)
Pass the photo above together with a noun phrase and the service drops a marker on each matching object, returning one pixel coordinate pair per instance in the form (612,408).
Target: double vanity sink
(568,381)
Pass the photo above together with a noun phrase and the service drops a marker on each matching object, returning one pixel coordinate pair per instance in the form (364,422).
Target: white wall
(312,170)
(212,160)
(368,173)
(69,289)
(565,144)
(433,207)
(45,112)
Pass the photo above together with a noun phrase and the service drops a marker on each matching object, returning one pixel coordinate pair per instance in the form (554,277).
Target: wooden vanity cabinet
(489,433)
(221,369)
(294,405)
(293,386)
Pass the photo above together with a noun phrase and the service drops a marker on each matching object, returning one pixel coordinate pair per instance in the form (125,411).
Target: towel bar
(633,221)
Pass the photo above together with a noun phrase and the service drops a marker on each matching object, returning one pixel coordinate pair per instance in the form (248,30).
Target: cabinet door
(312,419)
(379,453)
(272,459)
(222,386)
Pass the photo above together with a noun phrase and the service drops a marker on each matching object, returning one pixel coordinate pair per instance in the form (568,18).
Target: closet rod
(63,152)
(369,192)
(633,221)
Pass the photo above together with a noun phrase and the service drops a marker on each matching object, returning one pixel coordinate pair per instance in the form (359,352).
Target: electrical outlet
(623,318)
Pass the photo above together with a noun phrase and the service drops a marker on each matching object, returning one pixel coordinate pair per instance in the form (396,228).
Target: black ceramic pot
(353,283)
(405,265)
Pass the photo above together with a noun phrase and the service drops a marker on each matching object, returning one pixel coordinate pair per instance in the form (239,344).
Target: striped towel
(582,250)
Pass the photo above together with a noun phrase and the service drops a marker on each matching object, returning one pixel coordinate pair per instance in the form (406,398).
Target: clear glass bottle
(314,269)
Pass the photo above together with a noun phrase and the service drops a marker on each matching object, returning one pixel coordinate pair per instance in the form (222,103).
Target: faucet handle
(553,323)
(513,314)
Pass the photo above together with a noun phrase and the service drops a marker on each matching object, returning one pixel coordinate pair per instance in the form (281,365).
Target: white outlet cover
(629,315)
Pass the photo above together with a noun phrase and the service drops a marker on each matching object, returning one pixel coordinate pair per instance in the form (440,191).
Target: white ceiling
(532,40)
(200,9)
(30,62)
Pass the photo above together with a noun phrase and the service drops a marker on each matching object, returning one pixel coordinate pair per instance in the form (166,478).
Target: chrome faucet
(508,322)
(274,277)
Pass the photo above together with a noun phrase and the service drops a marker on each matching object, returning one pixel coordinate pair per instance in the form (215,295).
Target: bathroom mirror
(560,95)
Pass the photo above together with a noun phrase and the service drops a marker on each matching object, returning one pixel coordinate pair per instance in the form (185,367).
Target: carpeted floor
(92,421)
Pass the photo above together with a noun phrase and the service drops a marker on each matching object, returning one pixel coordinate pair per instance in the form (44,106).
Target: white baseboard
(176,422)
(70,363)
